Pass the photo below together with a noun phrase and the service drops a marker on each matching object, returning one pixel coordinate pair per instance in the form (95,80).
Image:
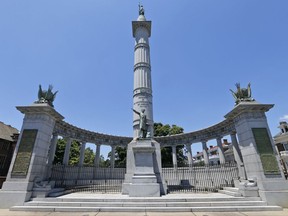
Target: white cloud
(285,117)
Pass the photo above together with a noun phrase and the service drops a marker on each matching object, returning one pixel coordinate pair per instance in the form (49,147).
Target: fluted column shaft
(142,94)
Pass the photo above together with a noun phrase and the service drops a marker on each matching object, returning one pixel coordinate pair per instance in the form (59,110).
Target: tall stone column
(189,155)
(258,151)
(174,157)
(238,156)
(82,153)
(67,151)
(205,153)
(143,176)
(29,161)
(97,156)
(142,94)
(220,150)
(112,156)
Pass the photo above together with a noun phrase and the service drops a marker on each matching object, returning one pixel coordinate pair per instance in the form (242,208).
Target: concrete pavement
(6,212)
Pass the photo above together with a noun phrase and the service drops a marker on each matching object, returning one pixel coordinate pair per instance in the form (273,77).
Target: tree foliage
(74,153)
(120,156)
(166,152)
(60,150)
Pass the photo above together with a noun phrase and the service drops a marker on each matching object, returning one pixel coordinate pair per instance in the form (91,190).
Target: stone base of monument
(143,176)
(15,193)
(274,192)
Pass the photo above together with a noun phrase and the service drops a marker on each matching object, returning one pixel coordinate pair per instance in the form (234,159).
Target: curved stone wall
(221,129)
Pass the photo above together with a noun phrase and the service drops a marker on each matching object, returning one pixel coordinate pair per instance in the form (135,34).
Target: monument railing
(88,178)
(200,178)
(110,180)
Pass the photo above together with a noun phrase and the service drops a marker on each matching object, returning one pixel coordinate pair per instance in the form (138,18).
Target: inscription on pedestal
(24,153)
(265,150)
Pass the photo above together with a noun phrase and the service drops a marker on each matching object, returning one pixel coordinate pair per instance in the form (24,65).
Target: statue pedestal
(143,176)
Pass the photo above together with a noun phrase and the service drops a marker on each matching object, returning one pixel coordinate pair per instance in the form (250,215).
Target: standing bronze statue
(143,126)
(141,9)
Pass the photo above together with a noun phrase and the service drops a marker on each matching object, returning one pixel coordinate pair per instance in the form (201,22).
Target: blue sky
(199,50)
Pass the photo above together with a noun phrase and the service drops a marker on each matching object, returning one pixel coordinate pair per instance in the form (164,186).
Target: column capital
(143,24)
(219,137)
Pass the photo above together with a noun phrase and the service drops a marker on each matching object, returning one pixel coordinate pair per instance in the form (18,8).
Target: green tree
(103,162)
(74,153)
(59,154)
(89,157)
(120,156)
(166,152)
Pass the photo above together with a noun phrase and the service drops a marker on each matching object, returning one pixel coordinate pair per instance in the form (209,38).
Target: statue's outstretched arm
(136,111)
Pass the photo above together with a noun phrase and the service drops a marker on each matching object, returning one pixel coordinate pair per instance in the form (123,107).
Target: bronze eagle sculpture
(46,96)
(242,94)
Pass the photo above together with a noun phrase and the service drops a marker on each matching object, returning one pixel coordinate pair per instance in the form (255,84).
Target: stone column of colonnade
(51,155)
(97,155)
(67,151)
(112,163)
(205,152)
(52,149)
(189,155)
(82,153)
(174,157)
(238,156)
(220,150)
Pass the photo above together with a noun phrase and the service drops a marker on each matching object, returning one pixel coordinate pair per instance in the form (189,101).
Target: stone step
(232,189)
(141,199)
(169,203)
(146,209)
(57,192)
(231,193)
(147,204)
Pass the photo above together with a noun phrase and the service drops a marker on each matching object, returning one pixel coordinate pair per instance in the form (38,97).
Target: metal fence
(88,179)
(110,180)
(200,178)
